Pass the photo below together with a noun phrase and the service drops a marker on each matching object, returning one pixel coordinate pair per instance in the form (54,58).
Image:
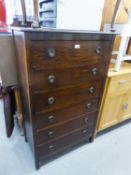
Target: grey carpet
(110,154)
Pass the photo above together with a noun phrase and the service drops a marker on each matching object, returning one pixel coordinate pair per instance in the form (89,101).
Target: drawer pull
(50,134)
(51,147)
(94,71)
(51,119)
(91,90)
(51,100)
(84,131)
(125,106)
(51,52)
(51,79)
(89,106)
(123,81)
(98,50)
(86,120)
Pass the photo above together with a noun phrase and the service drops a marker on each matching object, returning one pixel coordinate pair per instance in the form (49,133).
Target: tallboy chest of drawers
(61,80)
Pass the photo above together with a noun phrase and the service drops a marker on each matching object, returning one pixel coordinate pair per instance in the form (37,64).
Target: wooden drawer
(50,101)
(58,78)
(61,130)
(119,84)
(63,54)
(56,146)
(44,120)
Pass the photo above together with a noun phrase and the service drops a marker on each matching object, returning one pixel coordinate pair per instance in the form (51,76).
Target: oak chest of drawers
(61,80)
(116,101)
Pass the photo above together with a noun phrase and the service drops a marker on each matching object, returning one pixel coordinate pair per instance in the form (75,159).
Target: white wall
(80,14)
(9,11)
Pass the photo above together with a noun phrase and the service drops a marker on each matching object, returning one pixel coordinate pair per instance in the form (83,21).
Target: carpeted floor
(110,154)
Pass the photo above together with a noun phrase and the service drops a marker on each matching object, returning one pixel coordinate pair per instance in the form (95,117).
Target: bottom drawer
(45,159)
(72,139)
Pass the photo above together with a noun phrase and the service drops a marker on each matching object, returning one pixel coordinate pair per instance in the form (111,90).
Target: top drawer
(68,53)
(119,84)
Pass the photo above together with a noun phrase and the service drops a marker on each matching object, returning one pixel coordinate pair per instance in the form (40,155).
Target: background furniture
(61,80)
(116,102)
(108,10)
(9,109)
(120,20)
(9,79)
(35,20)
(7,60)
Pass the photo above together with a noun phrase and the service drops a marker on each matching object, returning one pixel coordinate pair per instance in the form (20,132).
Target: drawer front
(47,10)
(72,139)
(58,54)
(44,15)
(55,78)
(60,116)
(119,84)
(48,22)
(54,100)
(61,130)
(47,6)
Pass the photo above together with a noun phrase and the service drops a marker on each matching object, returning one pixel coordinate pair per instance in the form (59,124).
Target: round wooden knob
(86,119)
(89,105)
(50,134)
(91,90)
(51,79)
(94,71)
(98,50)
(51,119)
(51,100)
(51,52)
(51,147)
(84,131)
